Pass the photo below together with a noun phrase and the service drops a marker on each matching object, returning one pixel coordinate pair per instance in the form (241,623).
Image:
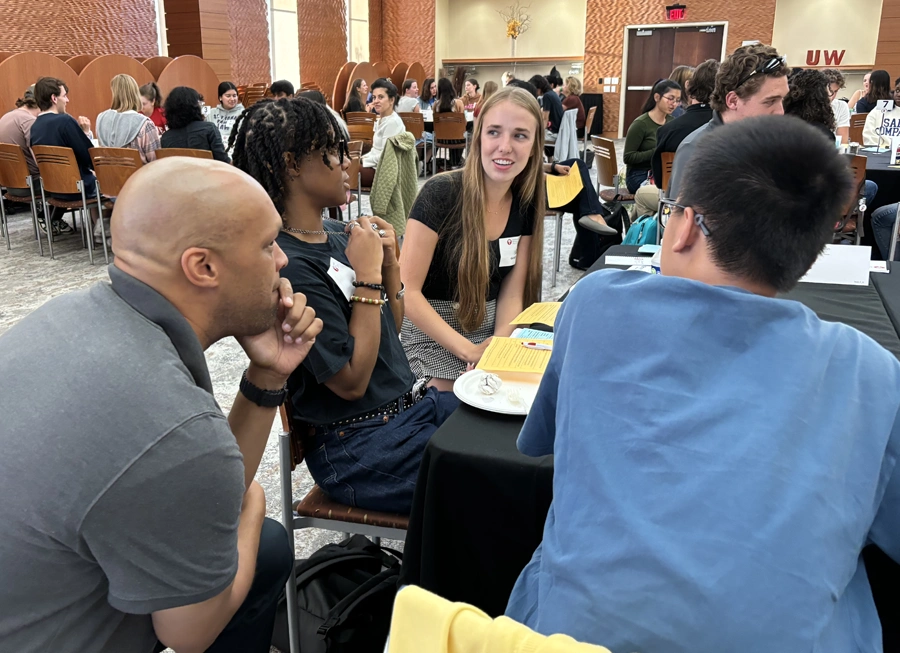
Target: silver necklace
(308,232)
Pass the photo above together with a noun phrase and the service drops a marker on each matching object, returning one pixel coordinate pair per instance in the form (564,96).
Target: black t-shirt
(550,102)
(308,271)
(438,208)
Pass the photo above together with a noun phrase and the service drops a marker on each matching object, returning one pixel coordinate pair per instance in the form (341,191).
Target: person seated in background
(808,100)
(752,81)
(124,125)
(875,121)
(354,395)
(551,107)
(53,126)
(409,101)
(839,108)
(226,113)
(506,78)
(151,101)
(471,97)
(490,88)
(187,127)
(699,89)
(281,88)
(447,102)
(879,89)
(472,254)
(640,140)
(571,91)
(681,75)
(199,567)
(860,93)
(429,94)
(15,128)
(356,97)
(732,515)
(388,124)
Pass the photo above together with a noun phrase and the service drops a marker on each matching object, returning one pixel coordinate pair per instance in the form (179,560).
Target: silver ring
(374,226)
(353,224)
(381,232)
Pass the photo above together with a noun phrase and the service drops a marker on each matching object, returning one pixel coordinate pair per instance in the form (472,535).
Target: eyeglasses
(668,207)
(767,67)
(671,98)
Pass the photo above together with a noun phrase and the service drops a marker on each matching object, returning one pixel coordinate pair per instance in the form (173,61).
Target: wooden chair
(355,172)
(316,510)
(449,134)
(415,125)
(113,166)
(254,94)
(608,171)
(668,159)
(60,174)
(558,215)
(362,132)
(360,118)
(241,91)
(164,152)
(588,124)
(851,222)
(857,123)
(14,174)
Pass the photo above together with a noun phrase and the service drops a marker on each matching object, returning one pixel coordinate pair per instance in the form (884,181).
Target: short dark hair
(540,83)
(45,89)
(660,88)
(282,86)
(528,86)
(224,87)
(738,66)
(787,187)
(407,84)
(701,84)
(269,129)
(835,77)
(182,107)
(388,87)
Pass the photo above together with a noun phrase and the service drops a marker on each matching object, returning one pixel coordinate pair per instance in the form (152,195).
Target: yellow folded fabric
(425,623)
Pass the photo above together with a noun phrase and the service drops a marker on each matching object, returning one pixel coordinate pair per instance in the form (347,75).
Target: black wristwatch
(260,397)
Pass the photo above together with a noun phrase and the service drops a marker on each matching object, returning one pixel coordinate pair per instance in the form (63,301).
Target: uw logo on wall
(832,57)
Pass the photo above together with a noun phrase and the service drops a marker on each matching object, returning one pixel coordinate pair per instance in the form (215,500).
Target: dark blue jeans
(250,629)
(634,179)
(374,464)
(883,228)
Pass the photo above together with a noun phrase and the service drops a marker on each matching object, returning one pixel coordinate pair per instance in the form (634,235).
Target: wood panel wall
(322,31)
(887,51)
(200,28)
(80,27)
(250,62)
(605,35)
(407,32)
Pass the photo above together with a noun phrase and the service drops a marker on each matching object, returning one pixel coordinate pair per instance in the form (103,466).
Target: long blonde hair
(126,95)
(472,248)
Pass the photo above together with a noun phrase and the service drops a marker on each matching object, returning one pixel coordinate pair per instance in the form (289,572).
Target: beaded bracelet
(366,300)
(373,286)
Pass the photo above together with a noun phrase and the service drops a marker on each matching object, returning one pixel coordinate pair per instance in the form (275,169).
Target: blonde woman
(570,100)
(682,75)
(489,89)
(123,124)
(471,258)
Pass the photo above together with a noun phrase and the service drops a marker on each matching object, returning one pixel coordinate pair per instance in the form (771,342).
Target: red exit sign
(676,12)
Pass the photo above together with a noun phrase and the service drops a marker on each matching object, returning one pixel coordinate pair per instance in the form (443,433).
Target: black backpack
(345,595)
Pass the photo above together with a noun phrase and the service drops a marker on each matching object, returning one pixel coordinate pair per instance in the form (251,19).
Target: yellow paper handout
(538,313)
(562,189)
(512,355)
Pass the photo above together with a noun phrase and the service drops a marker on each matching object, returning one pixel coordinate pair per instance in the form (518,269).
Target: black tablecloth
(480,505)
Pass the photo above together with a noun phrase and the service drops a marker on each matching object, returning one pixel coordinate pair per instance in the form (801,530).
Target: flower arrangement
(517,20)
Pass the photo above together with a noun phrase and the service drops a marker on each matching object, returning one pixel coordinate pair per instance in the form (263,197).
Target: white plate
(467,388)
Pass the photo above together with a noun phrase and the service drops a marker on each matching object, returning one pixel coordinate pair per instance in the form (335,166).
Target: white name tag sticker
(508,249)
(343,276)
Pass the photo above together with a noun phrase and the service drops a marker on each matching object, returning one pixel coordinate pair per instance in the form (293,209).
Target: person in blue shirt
(722,501)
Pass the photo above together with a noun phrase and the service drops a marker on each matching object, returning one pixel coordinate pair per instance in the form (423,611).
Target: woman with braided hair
(355,394)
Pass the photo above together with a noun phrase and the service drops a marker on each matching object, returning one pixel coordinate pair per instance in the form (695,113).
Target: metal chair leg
(4,225)
(47,224)
(102,226)
(287,518)
(556,251)
(85,220)
(34,216)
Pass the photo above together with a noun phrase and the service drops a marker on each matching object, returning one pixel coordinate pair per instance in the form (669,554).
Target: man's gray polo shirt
(686,151)
(121,481)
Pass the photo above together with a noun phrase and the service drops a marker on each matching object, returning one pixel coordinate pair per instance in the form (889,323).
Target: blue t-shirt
(716,479)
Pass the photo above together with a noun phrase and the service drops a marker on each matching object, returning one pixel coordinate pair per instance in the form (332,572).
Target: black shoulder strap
(310,572)
(346,605)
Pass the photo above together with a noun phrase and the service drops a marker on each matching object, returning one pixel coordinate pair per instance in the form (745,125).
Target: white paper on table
(628,260)
(845,265)
(878,266)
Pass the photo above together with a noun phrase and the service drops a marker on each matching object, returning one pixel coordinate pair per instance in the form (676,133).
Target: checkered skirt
(427,358)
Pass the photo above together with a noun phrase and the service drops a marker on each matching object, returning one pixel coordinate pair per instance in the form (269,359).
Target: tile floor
(29,280)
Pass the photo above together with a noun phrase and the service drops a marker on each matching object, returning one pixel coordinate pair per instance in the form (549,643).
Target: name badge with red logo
(508,249)
(343,276)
